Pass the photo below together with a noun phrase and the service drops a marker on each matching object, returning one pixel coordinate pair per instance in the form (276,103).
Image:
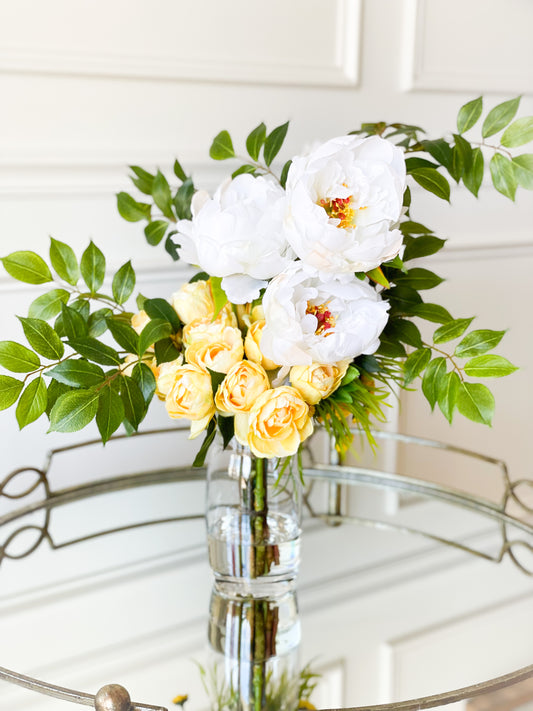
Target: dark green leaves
(162,196)
(474,176)
(27,267)
(77,373)
(155,330)
(432,181)
(92,267)
(469,114)
(274,142)
(155,231)
(222,147)
(123,283)
(255,141)
(109,414)
(416,363)
(161,309)
(499,117)
(95,351)
(131,210)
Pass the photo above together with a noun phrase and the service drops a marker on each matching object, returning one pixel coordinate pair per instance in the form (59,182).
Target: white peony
(342,201)
(312,321)
(238,235)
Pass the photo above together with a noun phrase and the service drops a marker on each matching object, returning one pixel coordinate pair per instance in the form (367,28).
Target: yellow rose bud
(226,317)
(252,346)
(139,321)
(241,387)
(216,347)
(315,382)
(277,423)
(191,396)
(165,374)
(258,313)
(194,301)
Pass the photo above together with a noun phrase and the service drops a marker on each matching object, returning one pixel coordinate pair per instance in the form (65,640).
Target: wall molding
(342,71)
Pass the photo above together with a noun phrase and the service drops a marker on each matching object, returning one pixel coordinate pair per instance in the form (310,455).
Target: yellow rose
(252,344)
(165,374)
(315,382)
(241,387)
(139,321)
(226,317)
(194,301)
(191,396)
(216,347)
(277,423)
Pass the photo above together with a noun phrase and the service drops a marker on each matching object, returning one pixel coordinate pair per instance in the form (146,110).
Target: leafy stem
(456,367)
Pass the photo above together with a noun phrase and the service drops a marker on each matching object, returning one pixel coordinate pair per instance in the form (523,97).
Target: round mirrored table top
(411,594)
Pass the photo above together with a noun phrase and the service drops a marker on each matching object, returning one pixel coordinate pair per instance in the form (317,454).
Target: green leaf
(182,200)
(18,358)
(503,176)
(285,173)
(165,351)
(48,305)
(155,330)
(216,379)
(476,402)
(452,329)
(73,410)
(92,267)
(10,389)
(123,283)
(32,403)
(222,147)
(414,163)
(274,142)
(27,267)
(469,114)
(131,210)
(424,246)
(414,228)
(124,335)
(419,279)
(447,393)
(179,172)
(432,312)
(226,425)
(219,295)
(161,309)
(95,351)
(461,157)
(244,169)
(145,379)
(404,331)
(489,366)
(518,133)
(499,117)
(77,373)
(390,347)
(109,414)
(42,338)
(416,363)
(64,261)
(54,391)
(133,401)
(478,342)
(440,150)
(351,374)
(432,181)
(255,141)
(162,196)
(523,168)
(144,180)
(209,437)
(473,177)
(433,375)
(97,322)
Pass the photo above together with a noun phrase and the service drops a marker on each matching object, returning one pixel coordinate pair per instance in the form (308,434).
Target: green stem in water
(260,530)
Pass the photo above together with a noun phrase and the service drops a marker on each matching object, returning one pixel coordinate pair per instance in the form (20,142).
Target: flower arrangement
(304,306)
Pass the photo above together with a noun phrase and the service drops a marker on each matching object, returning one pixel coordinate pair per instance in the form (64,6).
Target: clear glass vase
(253,521)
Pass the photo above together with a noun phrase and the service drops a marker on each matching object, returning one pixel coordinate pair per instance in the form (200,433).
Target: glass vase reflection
(253,521)
(254,653)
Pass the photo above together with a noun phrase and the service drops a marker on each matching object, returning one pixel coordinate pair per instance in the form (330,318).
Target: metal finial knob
(112,697)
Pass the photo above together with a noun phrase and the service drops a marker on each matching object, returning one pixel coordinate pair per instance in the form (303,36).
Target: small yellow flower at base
(181,699)
(194,301)
(217,348)
(277,424)
(139,321)
(305,704)
(315,382)
(241,387)
(191,396)
(252,346)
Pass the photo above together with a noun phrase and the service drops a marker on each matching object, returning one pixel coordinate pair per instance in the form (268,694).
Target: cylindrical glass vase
(253,521)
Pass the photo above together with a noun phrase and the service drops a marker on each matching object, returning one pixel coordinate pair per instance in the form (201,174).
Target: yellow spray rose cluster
(272,409)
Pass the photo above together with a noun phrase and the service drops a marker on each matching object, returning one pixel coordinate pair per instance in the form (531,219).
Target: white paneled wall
(90,87)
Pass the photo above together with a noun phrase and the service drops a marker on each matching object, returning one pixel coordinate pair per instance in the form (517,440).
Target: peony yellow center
(340,209)
(325,319)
